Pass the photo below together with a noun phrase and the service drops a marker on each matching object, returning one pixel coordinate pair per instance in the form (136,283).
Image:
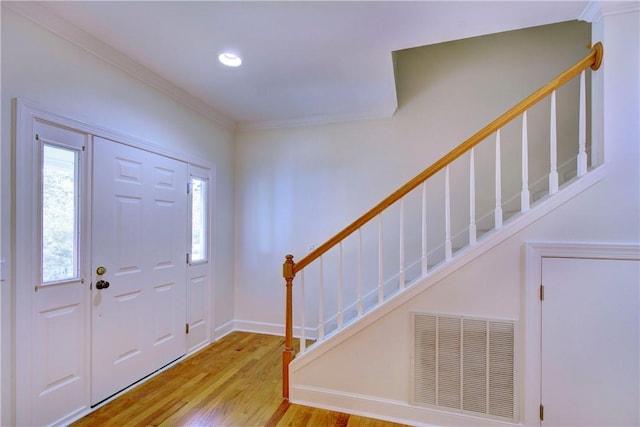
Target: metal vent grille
(465,364)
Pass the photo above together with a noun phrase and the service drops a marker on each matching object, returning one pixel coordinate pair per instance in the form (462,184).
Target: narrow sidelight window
(60,214)
(198,219)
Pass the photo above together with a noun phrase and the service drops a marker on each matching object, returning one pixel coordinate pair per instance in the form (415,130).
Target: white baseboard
(272,329)
(259,327)
(223,330)
(384,409)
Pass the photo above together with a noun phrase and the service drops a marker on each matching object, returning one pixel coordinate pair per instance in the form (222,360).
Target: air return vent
(465,365)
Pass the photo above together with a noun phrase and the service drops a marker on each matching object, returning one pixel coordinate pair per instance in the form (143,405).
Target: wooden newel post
(287,353)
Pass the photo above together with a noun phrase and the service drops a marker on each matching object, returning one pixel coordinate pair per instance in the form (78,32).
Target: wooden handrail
(593,60)
(290,268)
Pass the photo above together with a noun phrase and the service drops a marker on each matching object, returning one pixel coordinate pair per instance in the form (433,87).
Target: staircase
(428,228)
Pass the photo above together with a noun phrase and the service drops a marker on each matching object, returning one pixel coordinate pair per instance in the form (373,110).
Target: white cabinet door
(139,221)
(590,342)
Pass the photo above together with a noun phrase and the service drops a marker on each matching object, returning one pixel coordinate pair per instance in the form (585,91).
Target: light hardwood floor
(233,382)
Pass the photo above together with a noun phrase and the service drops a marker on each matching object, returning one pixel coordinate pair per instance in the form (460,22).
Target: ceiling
(304,62)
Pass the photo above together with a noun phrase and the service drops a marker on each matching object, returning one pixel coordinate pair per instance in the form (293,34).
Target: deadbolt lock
(100,270)
(101,284)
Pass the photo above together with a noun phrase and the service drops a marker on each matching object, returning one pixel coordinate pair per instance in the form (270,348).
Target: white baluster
(582,129)
(553,148)
(473,234)
(303,332)
(524,195)
(425,265)
(401,274)
(498,210)
(359,272)
(321,304)
(340,284)
(447,216)
(380,256)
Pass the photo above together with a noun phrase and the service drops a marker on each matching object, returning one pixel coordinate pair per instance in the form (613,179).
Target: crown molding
(317,120)
(619,7)
(595,10)
(591,12)
(41,16)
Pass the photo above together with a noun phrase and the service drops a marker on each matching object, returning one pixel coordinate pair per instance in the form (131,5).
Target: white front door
(590,342)
(139,236)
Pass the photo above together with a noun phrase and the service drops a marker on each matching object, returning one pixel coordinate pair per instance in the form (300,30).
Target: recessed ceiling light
(230,59)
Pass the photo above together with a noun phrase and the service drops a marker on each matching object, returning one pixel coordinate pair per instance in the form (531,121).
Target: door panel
(590,342)
(59,351)
(139,236)
(197,309)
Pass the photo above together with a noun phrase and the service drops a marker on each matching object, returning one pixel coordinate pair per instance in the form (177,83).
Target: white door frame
(26,239)
(535,252)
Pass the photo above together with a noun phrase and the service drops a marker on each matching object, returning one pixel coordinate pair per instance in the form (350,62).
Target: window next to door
(60,220)
(199,203)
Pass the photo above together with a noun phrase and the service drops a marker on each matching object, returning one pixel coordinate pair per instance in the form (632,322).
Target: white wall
(43,69)
(297,187)
(493,285)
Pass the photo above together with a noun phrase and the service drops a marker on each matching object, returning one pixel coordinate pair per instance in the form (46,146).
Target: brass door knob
(100,270)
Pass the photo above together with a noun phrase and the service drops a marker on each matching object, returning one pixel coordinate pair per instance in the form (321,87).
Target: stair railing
(290,268)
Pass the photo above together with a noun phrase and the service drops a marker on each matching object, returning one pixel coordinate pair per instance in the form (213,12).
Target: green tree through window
(198,220)
(59,214)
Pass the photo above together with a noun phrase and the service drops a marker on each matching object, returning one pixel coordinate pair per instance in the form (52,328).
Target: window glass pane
(59,214)
(198,220)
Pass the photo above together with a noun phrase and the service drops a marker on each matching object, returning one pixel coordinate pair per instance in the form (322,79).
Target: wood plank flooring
(233,382)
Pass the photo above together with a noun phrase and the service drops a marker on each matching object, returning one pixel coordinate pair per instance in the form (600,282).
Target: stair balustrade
(366,301)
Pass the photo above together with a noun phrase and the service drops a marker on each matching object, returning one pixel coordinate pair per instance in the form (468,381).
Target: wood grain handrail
(290,268)
(593,60)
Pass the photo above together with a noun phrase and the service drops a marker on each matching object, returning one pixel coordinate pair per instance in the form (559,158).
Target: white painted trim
(223,330)
(26,114)
(271,329)
(610,8)
(23,275)
(210,264)
(41,16)
(259,327)
(44,113)
(591,12)
(535,252)
(318,120)
(64,29)
(461,258)
(384,409)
